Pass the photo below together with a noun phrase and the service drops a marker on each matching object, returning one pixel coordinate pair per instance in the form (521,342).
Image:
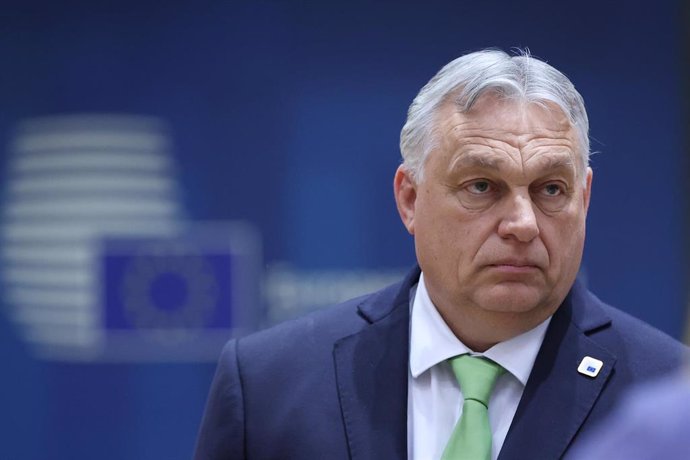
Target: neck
(480,330)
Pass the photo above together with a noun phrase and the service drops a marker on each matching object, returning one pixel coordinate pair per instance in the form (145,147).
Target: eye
(479,187)
(552,196)
(553,189)
(478,193)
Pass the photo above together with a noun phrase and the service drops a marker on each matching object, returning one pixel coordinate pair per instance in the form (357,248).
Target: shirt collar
(432,341)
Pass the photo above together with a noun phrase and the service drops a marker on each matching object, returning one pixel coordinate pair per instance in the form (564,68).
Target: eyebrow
(557,161)
(477,160)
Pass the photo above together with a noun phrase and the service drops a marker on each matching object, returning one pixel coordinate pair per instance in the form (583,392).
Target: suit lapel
(372,371)
(557,398)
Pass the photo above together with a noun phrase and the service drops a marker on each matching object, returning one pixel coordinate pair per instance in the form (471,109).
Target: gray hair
(466,78)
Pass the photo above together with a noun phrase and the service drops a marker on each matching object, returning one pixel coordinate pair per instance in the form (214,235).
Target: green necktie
(471,438)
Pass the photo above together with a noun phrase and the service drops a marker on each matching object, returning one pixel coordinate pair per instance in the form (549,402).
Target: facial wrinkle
(520,145)
(551,155)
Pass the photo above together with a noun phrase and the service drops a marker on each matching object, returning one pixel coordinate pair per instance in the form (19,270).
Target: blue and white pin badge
(590,366)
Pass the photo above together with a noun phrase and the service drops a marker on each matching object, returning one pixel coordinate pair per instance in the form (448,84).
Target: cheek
(444,240)
(564,240)
(445,231)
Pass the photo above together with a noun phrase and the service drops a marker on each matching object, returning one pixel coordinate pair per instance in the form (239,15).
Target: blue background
(287,114)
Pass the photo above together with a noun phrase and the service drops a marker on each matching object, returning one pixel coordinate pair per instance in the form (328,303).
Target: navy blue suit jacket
(333,385)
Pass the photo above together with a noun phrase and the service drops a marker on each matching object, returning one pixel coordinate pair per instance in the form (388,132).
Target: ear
(405,190)
(588,188)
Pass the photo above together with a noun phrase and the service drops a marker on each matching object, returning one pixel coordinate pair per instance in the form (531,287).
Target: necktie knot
(476,376)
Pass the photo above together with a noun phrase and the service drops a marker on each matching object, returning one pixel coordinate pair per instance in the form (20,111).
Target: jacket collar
(388,300)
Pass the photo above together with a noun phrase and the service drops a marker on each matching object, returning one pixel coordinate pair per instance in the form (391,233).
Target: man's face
(499,214)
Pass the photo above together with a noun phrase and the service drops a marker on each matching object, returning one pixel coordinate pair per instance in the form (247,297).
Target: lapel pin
(590,366)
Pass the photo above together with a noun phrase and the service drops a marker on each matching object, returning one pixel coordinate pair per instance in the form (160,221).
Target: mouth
(515,266)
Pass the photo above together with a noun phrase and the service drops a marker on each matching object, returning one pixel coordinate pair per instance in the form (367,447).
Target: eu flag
(179,297)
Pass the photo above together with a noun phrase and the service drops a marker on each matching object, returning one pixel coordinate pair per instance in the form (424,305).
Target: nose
(519,220)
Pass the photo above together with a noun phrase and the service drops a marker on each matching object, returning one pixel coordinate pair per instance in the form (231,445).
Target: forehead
(498,129)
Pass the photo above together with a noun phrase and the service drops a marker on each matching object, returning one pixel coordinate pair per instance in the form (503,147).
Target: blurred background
(175,174)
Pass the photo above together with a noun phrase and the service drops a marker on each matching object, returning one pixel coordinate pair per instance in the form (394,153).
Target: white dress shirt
(434,401)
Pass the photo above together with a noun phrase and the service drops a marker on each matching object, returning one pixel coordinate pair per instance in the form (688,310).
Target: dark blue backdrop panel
(287,114)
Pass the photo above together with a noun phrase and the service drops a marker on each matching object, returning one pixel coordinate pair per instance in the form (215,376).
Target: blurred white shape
(77,232)
(50,297)
(38,309)
(37,317)
(73,180)
(87,138)
(91,206)
(290,292)
(37,275)
(78,122)
(69,254)
(75,183)
(112,160)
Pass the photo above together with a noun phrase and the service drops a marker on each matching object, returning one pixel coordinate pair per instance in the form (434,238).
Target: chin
(511,299)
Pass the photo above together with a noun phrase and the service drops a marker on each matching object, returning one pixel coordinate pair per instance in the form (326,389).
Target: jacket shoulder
(641,349)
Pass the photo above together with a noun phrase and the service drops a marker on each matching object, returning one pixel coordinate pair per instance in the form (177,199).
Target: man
(494,350)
